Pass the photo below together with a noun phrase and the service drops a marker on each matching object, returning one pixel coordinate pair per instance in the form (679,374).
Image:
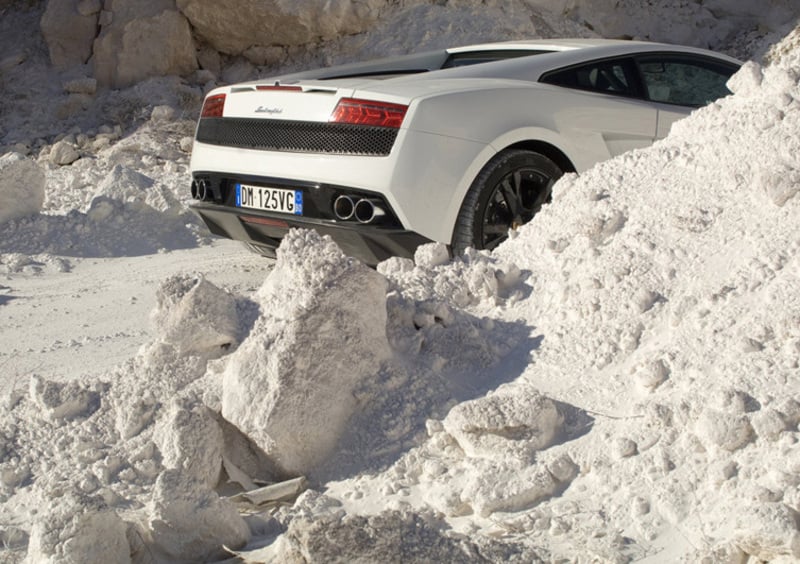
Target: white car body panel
(457,120)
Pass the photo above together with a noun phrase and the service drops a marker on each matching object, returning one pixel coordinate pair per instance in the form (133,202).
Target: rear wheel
(507,193)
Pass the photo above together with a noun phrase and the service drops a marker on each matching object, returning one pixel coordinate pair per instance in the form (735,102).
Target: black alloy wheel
(507,193)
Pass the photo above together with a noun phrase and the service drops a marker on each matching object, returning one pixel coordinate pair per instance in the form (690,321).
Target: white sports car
(457,145)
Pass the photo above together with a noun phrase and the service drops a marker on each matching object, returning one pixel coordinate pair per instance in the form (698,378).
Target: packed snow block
(68,29)
(62,401)
(190,522)
(190,440)
(516,421)
(724,429)
(76,528)
(22,184)
(322,332)
(768,532)
(195,316)
(500,486)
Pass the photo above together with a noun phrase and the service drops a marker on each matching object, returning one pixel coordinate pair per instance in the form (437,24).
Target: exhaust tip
(200,189)
(366,211)
(343,207)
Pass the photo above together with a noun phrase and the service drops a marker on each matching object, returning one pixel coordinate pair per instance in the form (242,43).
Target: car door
(677,84)
(620,115)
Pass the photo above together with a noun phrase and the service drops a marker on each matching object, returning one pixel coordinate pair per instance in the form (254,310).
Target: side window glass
(684,82)
(609,77)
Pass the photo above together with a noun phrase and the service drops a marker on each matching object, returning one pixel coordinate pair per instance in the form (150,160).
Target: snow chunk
(502,487)
(729,431)
(190,440)
(190,522)
(514,422)
(22,184)
(76,529)
(62,401)
(321,333)
(768,531)
(195,316)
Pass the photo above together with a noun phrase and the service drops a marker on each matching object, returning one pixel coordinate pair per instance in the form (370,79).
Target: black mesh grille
(297,136)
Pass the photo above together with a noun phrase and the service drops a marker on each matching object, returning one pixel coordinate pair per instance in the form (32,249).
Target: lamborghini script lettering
(268,110)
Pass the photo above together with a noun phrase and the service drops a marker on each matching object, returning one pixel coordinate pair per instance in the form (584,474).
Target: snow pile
(617,382)
(85,451)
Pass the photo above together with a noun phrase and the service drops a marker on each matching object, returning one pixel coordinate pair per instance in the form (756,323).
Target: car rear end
(269,156)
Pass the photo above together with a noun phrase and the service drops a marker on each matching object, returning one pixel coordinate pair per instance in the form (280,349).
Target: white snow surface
(618,382)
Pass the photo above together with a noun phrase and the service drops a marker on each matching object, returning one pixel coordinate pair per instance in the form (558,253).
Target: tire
(507,193)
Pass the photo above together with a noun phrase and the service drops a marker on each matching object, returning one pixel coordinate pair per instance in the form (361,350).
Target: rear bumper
(370,244)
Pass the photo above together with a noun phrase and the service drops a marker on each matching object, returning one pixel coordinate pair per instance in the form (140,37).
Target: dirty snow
(617,382)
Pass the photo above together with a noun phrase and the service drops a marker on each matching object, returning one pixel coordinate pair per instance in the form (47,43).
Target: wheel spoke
(512,193)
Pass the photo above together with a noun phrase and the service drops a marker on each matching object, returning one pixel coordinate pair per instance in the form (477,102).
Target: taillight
(213,106)
(368,112)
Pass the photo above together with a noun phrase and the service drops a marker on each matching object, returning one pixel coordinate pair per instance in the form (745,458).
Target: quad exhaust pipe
(343,207)
(366,211)
(201,190)
(363,210)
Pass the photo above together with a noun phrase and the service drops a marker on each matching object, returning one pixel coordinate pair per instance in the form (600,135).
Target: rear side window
(609,77)
(684,81)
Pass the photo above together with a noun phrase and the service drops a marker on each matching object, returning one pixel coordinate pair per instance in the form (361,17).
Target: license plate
(269,199)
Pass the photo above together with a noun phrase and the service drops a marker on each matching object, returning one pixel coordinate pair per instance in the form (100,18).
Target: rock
(22,184)
(89,7)
(84,85)
(68,33)
(63,153)
(162,113)
(142,40)
(11,61)
(186,144)
(277,22)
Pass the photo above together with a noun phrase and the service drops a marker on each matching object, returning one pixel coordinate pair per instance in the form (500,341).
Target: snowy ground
(619,382)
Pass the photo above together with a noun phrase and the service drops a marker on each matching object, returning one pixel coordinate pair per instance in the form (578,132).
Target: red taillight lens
(368,112)
(213,106)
